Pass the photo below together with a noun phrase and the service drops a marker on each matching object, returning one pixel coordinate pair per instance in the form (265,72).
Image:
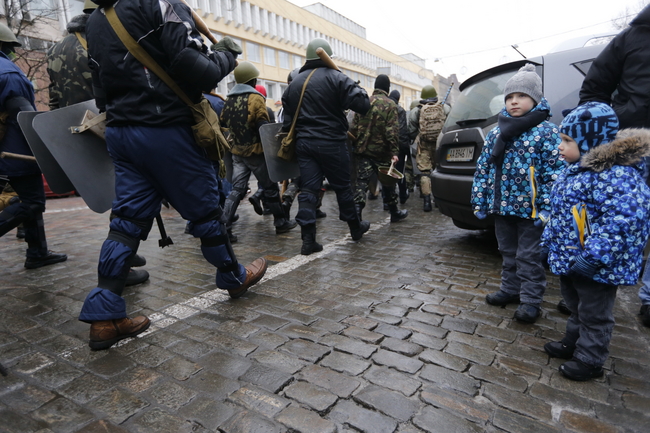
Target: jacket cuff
(582,267)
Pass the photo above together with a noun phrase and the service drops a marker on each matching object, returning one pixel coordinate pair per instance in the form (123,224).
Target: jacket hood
(643,19)
(242,89)
(629,147)
(77,24)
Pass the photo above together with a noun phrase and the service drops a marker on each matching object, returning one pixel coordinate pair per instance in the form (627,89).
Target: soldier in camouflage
(376,143)
(67,64)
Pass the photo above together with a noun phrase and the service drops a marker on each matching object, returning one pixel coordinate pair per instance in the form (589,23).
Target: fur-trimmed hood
(77,24)
(629,147)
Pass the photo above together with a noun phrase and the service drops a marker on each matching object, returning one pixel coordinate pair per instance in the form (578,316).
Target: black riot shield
(279,169)
(83,157)
(56,178)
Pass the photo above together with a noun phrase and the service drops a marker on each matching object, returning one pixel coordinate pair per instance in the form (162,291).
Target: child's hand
(480,214)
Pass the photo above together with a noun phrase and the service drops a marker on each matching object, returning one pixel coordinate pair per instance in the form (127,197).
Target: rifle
(447,94)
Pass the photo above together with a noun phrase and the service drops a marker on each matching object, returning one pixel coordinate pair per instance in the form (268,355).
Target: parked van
(475,112)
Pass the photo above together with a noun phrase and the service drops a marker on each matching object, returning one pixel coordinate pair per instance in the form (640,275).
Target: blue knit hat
(590,125)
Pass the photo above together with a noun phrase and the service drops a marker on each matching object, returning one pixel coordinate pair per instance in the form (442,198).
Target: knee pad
(136,228)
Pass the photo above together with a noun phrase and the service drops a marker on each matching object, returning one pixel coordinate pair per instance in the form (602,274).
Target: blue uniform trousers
(152,163)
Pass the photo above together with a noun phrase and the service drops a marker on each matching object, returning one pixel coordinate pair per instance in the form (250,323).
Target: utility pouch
(288,144)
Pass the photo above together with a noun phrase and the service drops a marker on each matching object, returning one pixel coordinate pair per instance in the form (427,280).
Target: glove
(544,217)
(227,44)
(480,214)
(582,268)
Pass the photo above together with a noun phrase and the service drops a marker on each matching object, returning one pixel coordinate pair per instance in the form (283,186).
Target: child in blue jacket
(512,181)
(598,228)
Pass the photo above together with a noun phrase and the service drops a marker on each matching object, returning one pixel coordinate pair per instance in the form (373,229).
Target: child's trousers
(522,271)
(590,325)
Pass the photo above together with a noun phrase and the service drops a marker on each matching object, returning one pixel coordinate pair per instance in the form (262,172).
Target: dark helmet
(428,92)
(89,6)
(292,75)
(245,71)
(314,45)
(7,36)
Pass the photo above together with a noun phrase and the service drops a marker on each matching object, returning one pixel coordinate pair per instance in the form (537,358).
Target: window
(39,8)
(269,56)
(284,59)
(253,52)
(297,61)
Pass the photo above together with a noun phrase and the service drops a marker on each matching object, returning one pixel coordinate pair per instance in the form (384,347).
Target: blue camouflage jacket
(521,186)
(607,182)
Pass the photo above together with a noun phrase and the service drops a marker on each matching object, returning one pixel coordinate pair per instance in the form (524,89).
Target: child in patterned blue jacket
(512,181)
(598,228)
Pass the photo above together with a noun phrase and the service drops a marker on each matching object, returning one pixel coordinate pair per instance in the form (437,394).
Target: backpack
(432,117)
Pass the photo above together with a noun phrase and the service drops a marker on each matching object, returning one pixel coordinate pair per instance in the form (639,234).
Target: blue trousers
(522,271)
(332,160)
(589,328)
(152,163)
(644,291)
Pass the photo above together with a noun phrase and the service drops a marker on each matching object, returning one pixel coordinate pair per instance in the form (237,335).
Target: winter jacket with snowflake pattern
(521,186)
(608,182)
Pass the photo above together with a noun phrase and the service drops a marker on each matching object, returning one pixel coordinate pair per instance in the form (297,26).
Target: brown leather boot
(105,333)
(254,272)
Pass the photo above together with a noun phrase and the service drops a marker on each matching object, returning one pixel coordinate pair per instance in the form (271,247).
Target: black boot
(397,215)
(286,207)
(281,223)
(256,201)
(359,208)
(427,204)
(358,228)
(309,244)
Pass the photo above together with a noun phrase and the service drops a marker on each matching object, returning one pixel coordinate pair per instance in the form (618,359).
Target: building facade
(274,35)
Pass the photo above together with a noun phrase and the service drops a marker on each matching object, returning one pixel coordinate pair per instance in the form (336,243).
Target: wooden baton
(201,26)
(320,52)
(17,156)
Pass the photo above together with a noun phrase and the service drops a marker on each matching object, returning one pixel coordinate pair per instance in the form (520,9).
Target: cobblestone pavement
(390,334)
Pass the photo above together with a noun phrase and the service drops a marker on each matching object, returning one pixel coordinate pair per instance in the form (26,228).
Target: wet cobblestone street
(389,334)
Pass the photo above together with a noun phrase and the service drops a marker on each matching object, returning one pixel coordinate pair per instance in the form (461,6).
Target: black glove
(227,44)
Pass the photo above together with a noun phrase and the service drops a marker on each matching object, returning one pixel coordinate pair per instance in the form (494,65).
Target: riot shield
(83,157)
(279,169)
(56,178)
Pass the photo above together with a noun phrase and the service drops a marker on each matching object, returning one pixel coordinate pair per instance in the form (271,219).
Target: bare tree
(27,19)
(625,16)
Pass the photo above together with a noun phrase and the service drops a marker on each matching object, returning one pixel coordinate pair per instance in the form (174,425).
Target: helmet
(292,75)
(428,92)
(261,89)
(314,45)
(245,72)
(89,6)
(414,104)
(7,36)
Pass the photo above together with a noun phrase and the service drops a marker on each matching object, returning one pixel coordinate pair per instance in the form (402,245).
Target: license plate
(460,154)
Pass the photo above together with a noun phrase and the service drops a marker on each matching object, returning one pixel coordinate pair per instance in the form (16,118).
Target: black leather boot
(281,223)
(309,244)
(427,204)
(397,215)
(256,201)
(359,208)
(358,228)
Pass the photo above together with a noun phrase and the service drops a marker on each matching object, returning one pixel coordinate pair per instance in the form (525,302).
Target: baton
(17,156)
(201,26)
(164,239)
(320,52)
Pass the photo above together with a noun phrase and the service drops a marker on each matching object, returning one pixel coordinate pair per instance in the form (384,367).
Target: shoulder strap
(139,53)
(295,116)
(81,40)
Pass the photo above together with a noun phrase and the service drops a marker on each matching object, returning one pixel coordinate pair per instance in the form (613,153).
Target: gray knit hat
(525,81)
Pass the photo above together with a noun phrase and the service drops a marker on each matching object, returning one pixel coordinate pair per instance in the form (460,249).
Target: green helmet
(7,36)
(414,104)
(428,92)
(89,6)
(314,45)
(245,72)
